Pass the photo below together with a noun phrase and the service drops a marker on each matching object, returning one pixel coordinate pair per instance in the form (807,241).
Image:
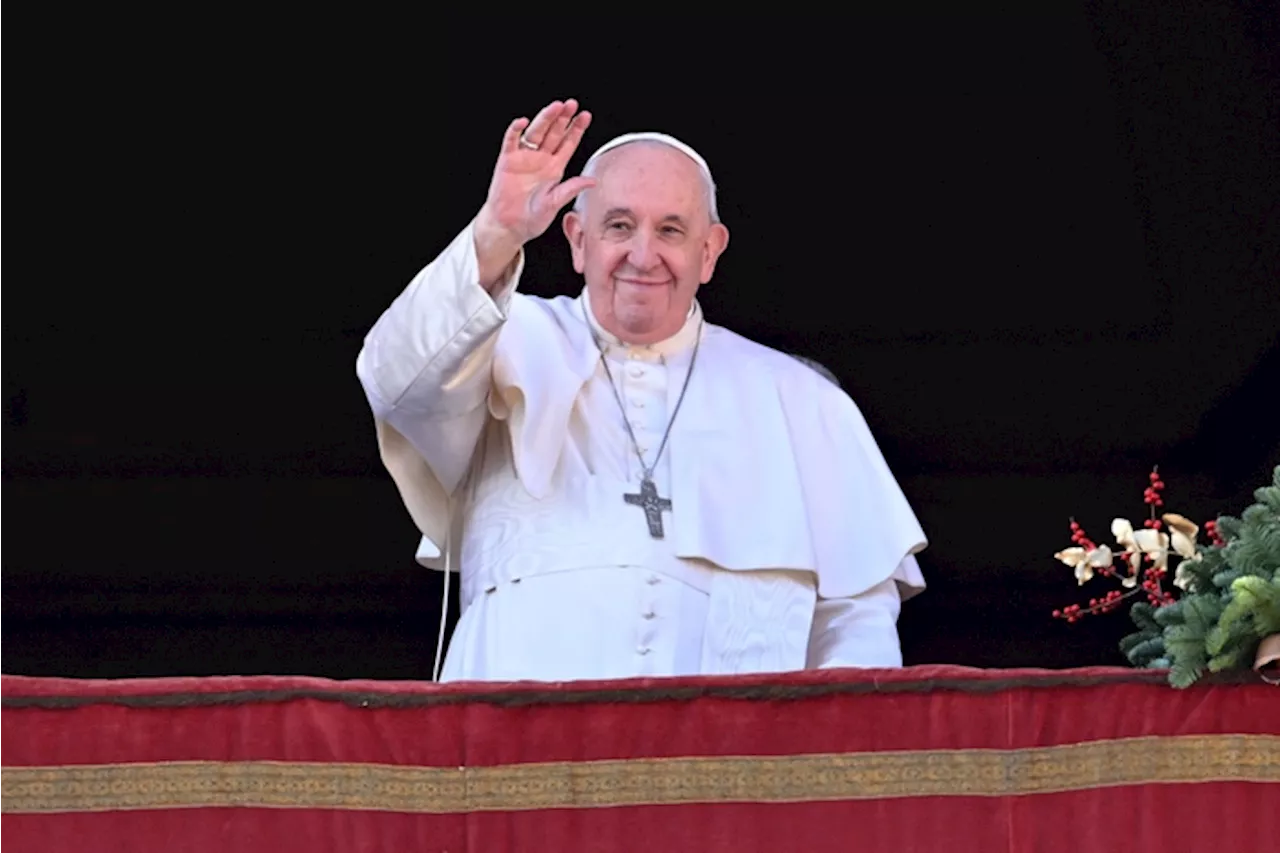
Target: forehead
(648,178)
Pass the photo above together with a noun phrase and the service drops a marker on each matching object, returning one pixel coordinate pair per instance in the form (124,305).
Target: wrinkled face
(645,241)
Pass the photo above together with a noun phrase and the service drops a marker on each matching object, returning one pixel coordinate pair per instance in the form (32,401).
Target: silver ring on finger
(532,146)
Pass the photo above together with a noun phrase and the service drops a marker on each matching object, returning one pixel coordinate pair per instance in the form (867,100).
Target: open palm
(527,190)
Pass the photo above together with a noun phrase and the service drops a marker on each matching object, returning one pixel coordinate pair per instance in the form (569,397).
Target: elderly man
(626,489)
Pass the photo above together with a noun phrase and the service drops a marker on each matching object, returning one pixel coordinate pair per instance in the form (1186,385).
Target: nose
(643,254)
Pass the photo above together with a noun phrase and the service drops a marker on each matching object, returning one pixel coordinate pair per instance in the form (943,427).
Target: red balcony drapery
(923,758)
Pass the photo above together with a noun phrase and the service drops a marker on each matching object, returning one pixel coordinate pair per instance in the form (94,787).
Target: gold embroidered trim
(642,781)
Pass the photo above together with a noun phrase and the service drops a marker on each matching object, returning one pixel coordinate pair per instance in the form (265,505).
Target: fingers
(511,139)
(556,129)
(543,122)
(568,191)
(559,126)
(573,135)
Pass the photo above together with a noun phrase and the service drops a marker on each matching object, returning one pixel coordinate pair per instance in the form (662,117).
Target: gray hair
(593,164)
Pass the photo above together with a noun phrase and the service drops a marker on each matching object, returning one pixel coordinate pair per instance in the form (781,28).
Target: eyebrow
(628,212)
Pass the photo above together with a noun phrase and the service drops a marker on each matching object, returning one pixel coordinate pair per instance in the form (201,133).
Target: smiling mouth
(638,283)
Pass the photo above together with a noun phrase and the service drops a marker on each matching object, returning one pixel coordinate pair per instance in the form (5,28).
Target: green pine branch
(1232,600)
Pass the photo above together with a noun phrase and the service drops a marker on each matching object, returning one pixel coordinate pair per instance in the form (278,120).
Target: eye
(672,231)
(618,226)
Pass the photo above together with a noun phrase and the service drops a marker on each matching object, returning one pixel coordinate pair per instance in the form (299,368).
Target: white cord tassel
(444,601)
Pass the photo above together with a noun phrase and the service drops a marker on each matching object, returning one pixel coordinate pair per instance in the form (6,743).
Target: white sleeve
(858,631)
(427,364)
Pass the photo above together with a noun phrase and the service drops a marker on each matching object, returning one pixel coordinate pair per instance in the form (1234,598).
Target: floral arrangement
(1228,604)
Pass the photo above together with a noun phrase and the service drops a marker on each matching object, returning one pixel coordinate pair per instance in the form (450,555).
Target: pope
(625,488)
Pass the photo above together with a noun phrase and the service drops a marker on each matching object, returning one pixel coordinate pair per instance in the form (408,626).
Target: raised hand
(528,190)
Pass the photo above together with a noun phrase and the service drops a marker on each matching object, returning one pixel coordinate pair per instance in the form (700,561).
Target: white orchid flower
(1183,540)
(1183,534)
(1155,544)
(1182,577)
(1084,562)
(1122,530)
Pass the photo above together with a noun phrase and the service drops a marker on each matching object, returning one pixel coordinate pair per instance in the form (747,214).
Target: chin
(637,325)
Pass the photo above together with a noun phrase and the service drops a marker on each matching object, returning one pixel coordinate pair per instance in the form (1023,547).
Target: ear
(712,249)
(574,233)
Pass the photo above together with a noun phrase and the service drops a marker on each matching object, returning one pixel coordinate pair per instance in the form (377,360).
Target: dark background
(1039,250)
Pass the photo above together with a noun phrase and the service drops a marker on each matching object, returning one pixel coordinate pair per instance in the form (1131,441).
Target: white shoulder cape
(772,466)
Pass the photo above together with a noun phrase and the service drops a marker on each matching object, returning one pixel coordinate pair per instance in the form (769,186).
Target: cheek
(608,258)
(690,266)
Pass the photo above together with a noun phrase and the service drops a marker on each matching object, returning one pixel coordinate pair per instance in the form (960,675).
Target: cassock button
(637,403)
(642,650)
(651,580)
(648,614)
(637,371)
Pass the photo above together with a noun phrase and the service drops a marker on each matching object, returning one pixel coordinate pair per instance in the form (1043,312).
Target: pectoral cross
(653,505)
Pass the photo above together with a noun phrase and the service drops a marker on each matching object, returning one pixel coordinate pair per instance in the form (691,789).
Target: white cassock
(789,544)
